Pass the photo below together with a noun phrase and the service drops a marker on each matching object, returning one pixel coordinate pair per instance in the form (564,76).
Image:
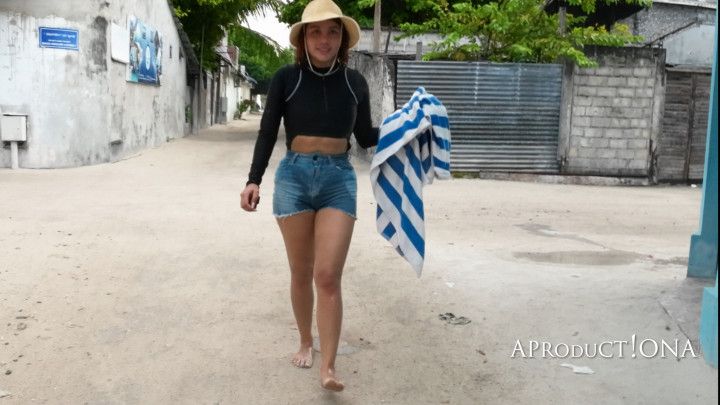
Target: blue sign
(62,38)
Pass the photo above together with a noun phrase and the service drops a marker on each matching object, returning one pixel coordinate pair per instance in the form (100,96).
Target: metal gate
(503,116)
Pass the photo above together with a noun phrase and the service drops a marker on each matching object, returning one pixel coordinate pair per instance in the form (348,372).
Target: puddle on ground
(608,257)
(584,257)
(545,230)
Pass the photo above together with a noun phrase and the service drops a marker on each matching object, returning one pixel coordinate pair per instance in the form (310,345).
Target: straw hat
(321,10)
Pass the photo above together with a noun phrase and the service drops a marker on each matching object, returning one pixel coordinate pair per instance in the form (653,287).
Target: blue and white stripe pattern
(413,149)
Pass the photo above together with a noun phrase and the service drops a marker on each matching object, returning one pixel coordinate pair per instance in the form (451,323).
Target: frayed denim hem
(351,215)
(281,216)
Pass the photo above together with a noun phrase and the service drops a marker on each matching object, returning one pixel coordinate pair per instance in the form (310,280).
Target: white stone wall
(80,108)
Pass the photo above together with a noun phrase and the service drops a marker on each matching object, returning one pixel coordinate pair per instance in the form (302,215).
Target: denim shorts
(313,181)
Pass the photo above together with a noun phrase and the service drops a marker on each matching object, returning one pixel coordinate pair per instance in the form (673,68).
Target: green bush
(241,107)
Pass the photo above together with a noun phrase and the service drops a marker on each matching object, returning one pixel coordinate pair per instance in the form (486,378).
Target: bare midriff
(319,144)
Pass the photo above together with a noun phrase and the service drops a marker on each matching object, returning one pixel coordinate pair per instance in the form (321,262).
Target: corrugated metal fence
(503,117)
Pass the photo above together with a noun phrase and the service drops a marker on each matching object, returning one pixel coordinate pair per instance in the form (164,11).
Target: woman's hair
(343,52)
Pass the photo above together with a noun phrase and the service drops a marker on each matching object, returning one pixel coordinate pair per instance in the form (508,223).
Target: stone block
(614,133)
(597,111)
(626,92)
(632,133)
(637,164)
(580,122)
(645,92)
(642,102)
(617,81)
(602,102)
(587,153)
(620,144)
(578,111)
(606,153)
(635,82)
(594,132)
(622,102)
(600,122)
(642,72)
(638,144)
(598,142)
(579,78)
(619,123)
(597,80)
(586,91)
(625,154)
(605,71)
(583,100)
(613,164)
(639,123)
(630,112)
(607,91)
(641,154)
(623,72)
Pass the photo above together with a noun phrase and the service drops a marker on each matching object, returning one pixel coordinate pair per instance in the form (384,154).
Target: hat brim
(351,26)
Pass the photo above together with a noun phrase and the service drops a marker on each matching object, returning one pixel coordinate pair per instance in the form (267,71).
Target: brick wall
(612,117)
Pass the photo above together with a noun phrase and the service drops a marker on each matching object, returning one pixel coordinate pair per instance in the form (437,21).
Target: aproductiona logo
(647,348)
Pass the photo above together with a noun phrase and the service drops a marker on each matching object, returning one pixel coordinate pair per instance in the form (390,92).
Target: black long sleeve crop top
(334,106)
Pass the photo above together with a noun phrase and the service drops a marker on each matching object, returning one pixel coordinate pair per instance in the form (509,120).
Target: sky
(270,26)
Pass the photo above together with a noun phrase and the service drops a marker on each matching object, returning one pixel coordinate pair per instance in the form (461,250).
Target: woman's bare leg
(298,234)
(333,231)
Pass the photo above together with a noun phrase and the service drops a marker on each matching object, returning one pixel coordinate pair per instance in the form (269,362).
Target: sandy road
(142,282)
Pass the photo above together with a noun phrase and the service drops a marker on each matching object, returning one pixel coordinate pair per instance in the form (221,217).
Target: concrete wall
(144,115)
(690,46)
(233,97)
(405,46)
(613,118)
(379,74)
(80,108)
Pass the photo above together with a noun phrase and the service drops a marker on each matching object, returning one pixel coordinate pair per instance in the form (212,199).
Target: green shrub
(241,107)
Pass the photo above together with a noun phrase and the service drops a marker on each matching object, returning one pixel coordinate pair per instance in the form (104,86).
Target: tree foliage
(261,56)
(514,31)
(204,21)
(394,12)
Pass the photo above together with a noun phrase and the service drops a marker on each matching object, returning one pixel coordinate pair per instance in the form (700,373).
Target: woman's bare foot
(329,380)
(304,357)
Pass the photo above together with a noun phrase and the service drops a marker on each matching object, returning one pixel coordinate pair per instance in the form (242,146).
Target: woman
(322,102)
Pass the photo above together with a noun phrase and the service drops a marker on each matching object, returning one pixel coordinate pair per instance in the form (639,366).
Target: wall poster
(145,53)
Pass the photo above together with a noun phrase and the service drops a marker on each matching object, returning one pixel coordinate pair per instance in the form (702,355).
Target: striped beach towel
(413,149)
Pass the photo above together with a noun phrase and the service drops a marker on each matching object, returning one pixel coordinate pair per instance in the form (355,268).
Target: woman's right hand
(250,197)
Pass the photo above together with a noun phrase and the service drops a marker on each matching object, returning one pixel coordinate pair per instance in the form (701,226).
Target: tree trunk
(376,28)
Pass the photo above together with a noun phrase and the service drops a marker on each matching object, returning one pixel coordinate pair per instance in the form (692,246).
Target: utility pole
(376,27)
(562,17)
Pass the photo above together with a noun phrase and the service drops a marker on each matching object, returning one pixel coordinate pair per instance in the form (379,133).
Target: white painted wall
(233,97)
(78,102)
